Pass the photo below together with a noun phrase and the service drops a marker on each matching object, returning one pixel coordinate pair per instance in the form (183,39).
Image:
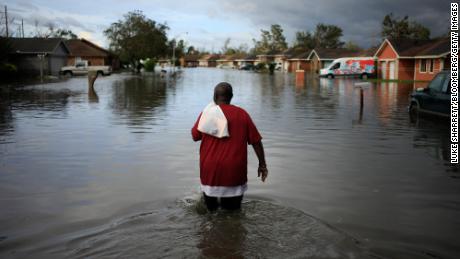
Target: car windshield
(437,83)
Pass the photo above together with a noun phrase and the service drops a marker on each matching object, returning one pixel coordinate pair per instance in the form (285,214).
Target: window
(335,66)
(431,65)
(422,65)
(436,84)
(446,85)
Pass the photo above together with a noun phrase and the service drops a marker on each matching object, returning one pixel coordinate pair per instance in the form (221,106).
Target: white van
(363,67)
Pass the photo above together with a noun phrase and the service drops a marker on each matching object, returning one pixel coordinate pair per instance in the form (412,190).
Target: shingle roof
(35,45)
(82,47)
(412,48)
(335,53)
(210,57)
(191,57)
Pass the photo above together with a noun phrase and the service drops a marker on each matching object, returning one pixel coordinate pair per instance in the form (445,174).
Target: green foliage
(271,41)
(324,36)
(401,28)
(137,37)
(149,65)
(352,46)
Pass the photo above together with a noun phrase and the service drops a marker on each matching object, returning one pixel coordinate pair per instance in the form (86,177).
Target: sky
(206,24)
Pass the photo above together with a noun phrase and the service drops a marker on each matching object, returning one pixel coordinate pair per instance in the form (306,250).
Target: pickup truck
(82,68)
(435,99)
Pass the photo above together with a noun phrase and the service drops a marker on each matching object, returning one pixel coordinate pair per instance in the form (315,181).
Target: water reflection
(139,100)
(75,161)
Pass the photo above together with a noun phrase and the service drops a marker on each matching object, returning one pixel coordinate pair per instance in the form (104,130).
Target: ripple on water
(185,229)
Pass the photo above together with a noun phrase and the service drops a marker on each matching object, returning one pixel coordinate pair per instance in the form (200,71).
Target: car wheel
(330,76)
(413,112)
(364,76)
(100,73)
(68,73)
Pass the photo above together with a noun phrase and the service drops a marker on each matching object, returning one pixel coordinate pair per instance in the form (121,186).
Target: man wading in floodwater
(223,159)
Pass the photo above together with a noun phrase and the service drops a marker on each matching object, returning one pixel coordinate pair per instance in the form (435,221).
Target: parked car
(363,67)
(247,67)
(82,68)
(435,99)
(278,66)
(225,66)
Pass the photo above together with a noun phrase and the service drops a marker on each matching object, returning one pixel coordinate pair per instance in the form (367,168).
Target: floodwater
(114,172)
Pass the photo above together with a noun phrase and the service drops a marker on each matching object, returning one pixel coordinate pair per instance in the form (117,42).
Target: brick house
(81,49)
(299,61)
(412,59)
(189,60)
(433,58)
(209,60)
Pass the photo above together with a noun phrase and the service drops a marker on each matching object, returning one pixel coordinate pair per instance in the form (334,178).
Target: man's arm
(262,170)
(196,135)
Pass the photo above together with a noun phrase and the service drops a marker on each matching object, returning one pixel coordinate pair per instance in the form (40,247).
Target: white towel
(213,121)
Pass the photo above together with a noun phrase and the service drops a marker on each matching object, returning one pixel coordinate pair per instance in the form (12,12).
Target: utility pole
(6,20)
(22,27)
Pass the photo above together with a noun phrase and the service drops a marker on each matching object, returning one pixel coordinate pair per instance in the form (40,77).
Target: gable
(386,51)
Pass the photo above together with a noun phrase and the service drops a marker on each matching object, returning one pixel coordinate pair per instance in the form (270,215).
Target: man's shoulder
(237,109)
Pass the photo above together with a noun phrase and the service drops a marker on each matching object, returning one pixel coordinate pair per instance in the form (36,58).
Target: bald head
(223,93)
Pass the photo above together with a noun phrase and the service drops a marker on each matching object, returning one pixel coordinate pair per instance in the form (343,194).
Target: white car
(82,68)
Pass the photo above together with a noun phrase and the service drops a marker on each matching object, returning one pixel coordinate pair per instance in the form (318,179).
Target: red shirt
(223,161)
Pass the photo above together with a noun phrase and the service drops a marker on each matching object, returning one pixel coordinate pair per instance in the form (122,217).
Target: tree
(324,36)
(304,39)
(52,32)
(271,41)
(328,36)
(401,28)
(137,37)
(350,45)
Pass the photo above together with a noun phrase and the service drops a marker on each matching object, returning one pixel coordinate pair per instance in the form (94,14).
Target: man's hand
(262,170)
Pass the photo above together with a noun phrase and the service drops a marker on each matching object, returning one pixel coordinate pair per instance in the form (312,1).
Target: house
(209,60)
(226,61)
(189,60)
(408,59)
(247,59)
(295,59)
(82,49)
(31,55)
(322,57)
(431,59)
(276,57)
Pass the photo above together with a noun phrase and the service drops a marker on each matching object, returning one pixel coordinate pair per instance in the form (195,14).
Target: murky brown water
(114,173)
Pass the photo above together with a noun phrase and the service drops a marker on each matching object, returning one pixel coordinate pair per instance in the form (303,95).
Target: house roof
(191,57)
(413,48)
(331,54)
(36,45)
(85,48)
(210,57)
(297,53)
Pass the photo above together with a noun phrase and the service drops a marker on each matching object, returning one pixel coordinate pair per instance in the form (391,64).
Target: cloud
(360,19)
(209,22)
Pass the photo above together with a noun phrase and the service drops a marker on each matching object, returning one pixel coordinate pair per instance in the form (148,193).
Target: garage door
(392,70)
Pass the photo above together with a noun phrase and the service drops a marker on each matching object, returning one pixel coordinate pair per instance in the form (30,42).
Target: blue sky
(206,23)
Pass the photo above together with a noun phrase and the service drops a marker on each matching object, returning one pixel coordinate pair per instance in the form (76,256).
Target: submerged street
(88,174)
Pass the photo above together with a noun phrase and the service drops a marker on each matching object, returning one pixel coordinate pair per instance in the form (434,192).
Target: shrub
(149,65)
(261,66)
